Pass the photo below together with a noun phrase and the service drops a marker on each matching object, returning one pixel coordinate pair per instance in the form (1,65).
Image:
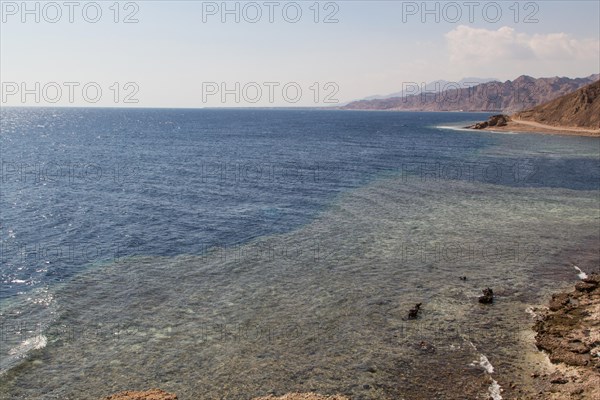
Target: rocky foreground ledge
(157,394)
(152,394)
(568,331)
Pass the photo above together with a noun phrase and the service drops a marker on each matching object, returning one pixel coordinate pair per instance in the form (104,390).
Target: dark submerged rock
(413,313)
(487,297)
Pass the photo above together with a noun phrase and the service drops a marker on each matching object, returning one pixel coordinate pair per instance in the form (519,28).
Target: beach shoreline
(535,127)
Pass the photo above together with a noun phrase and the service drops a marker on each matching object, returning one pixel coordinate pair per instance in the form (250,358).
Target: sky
(279,53)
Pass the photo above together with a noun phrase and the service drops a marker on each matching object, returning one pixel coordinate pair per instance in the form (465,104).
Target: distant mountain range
(578,109)
(412,88)
(508,97)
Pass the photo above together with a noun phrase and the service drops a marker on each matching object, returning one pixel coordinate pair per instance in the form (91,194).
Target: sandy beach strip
(536,127)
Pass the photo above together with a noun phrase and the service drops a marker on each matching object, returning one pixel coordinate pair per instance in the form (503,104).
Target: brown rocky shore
(152,394)
(568,331)
(157,394)
(567,335)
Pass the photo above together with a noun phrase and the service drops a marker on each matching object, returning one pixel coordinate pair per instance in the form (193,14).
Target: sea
(236,253)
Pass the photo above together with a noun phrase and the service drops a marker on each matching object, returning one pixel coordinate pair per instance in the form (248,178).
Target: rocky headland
(497,121)
(576,113)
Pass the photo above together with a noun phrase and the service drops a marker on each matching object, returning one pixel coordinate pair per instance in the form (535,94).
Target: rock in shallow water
(487,297)
(414,312)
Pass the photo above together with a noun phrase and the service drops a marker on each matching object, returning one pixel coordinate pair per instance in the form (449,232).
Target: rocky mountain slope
(578,109)
(511,96)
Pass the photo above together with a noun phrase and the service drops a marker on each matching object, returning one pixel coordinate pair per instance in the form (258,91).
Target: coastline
(521,126)
(565,358)
(568,340)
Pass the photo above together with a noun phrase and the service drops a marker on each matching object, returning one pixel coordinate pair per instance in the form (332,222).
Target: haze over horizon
(191,54)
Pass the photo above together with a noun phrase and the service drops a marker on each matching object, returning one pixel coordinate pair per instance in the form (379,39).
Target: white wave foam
(529,310)
(486,364)
(462,129)
(581,274)
(453,128)
(494,390)
(33,343)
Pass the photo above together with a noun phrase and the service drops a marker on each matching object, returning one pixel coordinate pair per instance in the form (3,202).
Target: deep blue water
(84,187)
